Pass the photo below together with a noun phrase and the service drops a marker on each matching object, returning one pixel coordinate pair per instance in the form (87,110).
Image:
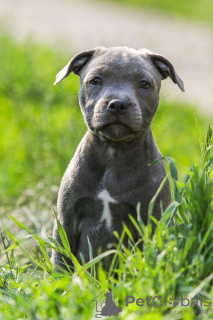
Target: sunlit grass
(177,261)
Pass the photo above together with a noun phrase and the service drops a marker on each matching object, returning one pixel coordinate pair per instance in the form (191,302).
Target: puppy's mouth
(116,131)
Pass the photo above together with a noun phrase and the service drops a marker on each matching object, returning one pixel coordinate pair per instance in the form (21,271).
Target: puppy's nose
(117,107)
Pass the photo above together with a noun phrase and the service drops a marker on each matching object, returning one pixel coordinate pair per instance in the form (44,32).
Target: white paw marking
(107,199)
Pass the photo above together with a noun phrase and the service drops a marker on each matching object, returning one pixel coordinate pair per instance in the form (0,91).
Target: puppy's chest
(104,209)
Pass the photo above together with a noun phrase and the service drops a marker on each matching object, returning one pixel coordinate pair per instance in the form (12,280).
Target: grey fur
(118,146)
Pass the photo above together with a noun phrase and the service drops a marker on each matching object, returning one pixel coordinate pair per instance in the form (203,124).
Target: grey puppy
(109,173)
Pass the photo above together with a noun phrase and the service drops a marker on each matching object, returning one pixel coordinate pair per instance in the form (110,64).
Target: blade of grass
(152,202)
(26,253)
(62,235)
(171,210)
(117,252)
(200,136)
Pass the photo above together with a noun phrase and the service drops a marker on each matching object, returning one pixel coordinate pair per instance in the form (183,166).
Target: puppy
(110,173)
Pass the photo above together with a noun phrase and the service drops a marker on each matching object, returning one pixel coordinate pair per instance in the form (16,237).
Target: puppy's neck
(140,149)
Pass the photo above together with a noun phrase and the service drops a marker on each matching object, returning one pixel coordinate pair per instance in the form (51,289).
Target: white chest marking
(107,199)
(111,152)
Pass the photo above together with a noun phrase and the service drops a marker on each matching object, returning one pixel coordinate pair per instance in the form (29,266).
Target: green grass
(190,9)
(177,262)
(39,134)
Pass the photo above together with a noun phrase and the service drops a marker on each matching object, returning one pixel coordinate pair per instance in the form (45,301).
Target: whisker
(80,122)
(160,124)
(163,97)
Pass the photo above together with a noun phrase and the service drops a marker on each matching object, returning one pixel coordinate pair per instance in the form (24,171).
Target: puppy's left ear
(166,69)
(75,64)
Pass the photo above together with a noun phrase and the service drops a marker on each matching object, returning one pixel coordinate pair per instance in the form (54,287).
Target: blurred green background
(41,124)
(190,9)
(39,121)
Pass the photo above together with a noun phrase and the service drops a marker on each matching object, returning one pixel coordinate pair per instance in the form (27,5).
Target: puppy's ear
(166,69)
(75,64)
(164,66)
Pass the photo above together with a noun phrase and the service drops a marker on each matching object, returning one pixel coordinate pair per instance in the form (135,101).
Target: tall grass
(177,261)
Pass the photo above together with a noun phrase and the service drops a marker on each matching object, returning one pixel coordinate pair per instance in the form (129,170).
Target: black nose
(117,107)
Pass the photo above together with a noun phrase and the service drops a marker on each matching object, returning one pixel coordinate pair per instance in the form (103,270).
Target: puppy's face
(119,94)
(120,87)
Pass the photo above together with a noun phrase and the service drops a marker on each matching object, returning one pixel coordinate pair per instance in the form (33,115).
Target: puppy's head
(120,87)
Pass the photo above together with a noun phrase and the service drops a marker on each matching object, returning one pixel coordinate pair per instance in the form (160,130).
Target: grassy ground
(191,9)
(175,266)
(40,129)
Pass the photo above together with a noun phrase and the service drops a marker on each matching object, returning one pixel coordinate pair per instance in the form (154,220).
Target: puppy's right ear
(75,64)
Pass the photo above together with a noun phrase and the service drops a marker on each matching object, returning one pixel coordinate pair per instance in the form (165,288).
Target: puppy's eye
(95,81)
(145,85)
